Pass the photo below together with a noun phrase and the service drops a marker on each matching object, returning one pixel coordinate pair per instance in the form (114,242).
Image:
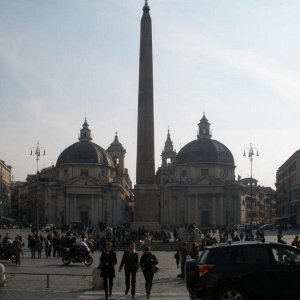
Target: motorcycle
(5,253)
(77,254)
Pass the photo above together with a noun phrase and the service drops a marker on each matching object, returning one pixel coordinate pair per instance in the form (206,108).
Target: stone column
(221,210)
(189,209)
(214,220)
(75,209)
(67,209)
(197,210)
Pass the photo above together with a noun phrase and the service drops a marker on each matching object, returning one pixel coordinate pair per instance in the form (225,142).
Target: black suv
(245,270)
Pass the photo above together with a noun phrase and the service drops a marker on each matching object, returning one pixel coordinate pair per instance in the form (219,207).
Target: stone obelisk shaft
(146,206)
(145,168)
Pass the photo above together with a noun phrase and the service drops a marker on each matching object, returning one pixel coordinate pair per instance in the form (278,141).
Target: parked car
(284,226)
(266,227)
(239,227)
(244,271)
(48,227)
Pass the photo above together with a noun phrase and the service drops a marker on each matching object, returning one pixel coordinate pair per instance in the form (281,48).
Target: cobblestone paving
(30,281)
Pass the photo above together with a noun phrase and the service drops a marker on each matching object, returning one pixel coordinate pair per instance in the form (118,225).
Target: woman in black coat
(130,261)
(108,260)
(146,264)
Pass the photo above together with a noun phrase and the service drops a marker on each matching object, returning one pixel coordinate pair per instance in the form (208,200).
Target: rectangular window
(204,172)
(66,173)
(183,174)
(84,172)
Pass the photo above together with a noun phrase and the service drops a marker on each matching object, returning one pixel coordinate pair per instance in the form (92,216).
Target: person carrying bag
(147,263)
(108,260)
(130,261)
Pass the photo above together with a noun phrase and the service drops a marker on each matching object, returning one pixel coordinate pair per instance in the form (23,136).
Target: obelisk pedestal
(146,210)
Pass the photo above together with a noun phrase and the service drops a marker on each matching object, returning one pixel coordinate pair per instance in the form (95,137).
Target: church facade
(197,184)
(88,184)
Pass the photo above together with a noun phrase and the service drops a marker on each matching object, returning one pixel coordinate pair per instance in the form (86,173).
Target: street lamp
(250,150)
(37,153)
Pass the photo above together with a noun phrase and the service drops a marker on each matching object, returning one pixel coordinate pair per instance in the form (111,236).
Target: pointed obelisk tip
(146,7)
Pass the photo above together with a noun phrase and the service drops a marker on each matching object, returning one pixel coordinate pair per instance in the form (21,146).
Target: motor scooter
(77,254)
(6,254)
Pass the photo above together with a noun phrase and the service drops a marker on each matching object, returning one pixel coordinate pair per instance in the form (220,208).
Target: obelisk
(146,210)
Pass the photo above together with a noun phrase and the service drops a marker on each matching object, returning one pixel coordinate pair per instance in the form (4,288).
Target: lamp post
(1,196)
(37,152)
(250,153)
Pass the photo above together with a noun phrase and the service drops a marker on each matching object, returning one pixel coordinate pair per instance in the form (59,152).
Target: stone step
(155,246)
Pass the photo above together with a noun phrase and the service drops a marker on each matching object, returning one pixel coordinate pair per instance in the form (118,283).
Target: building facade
(198,185)
(258,202)
(5,189)
(288,191)
(88,184)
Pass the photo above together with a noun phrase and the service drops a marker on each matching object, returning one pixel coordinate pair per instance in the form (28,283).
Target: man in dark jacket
(183,251)
(130,261)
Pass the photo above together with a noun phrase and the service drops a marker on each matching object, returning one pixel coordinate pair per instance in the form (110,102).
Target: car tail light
(204,269)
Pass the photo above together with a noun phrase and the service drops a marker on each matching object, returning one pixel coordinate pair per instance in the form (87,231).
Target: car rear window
(223,255)
(253,255)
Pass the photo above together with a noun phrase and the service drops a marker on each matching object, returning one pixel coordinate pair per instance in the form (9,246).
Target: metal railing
(10,275)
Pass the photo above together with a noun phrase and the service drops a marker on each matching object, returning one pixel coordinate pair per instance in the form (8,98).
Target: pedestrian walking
(280,239)
(31,245)
(296,242)
(38,246)
(48,246)
(108,260)
(177,258)
(194,250)
(16,250)
(130,261)
(183,251)
(147,240)
(146,264)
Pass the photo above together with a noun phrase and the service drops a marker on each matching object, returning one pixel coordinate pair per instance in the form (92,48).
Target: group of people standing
(131,263)
(13,249)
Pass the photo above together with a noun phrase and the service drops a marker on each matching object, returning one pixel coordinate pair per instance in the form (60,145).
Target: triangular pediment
(206,181)
(82,181)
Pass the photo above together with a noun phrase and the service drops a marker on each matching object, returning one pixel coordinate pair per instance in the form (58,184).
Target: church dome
(85,151)
(204,149)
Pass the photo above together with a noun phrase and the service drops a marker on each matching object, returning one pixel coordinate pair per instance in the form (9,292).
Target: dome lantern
(204,128)
(204,149)
(85,132)
(85,151)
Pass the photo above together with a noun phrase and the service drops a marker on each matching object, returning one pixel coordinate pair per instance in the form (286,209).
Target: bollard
(2,275)
(97,280)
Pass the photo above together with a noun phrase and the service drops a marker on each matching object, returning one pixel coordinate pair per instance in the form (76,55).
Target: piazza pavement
(51,279)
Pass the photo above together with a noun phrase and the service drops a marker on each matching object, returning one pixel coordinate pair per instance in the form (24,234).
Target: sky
(236,61)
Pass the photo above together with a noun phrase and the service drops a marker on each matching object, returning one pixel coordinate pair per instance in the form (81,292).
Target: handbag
(155,268)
